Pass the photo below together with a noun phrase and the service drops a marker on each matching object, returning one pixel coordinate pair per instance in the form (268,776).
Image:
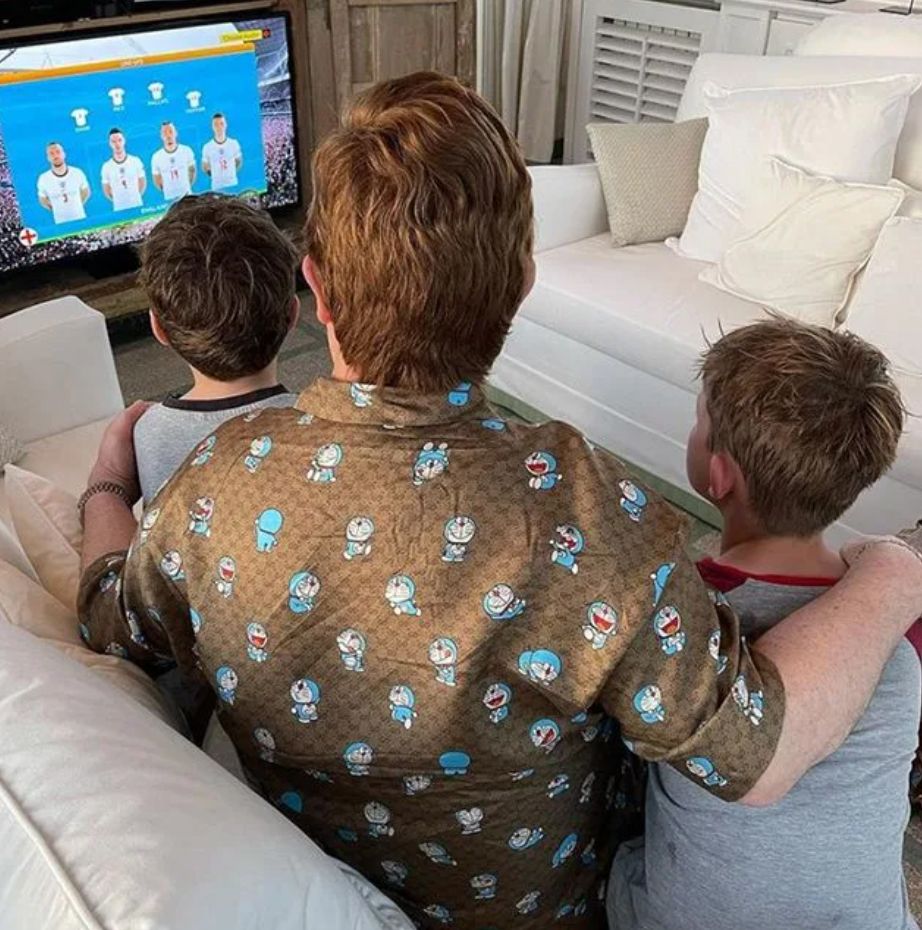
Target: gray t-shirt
(829,855)
(168,432)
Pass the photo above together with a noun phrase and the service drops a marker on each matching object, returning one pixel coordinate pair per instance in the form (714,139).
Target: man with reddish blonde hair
(429,629)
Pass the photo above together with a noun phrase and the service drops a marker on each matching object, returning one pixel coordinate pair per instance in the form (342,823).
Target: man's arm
(830,655)
(761,719)
(84,192)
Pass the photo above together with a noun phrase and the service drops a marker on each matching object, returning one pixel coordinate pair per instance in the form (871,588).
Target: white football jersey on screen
(63,193)
(79,116)
(156,90)
(122,178)
(195,99)
(173,168)
(117,96)
(221,158)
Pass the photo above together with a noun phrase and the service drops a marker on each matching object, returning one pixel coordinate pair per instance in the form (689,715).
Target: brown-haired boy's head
(419,235)
(794,421)
(220,277)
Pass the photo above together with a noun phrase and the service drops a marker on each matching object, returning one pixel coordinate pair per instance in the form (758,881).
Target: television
(100,134)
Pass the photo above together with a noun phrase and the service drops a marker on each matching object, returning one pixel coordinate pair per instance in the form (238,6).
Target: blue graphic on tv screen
(137,101)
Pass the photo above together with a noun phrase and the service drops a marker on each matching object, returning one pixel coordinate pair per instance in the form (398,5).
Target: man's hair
(115,130)
(811,416)
(54,142)
(421,230)
(220,277)
(167,122)
(217,116)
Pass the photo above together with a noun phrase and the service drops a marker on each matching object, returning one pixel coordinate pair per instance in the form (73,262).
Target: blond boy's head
(794,421)
(419,234)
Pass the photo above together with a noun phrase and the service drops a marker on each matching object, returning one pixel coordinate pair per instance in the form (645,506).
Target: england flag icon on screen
(28,237)
(117,96)
(79,116)
(156,91)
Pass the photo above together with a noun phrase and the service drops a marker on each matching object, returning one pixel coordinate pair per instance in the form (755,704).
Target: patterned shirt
(424,627)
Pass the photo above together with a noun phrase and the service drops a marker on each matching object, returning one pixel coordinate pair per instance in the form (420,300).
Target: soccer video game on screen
(98,136)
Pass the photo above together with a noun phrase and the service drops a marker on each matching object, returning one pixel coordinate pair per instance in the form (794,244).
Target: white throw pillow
(845,131)
(865,35)
(802,239)
(883,307)
(111,821)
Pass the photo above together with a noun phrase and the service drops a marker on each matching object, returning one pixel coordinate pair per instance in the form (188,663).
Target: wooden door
(377,39)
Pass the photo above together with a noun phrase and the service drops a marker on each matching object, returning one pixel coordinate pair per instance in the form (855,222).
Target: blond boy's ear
(158,330)
(724,476)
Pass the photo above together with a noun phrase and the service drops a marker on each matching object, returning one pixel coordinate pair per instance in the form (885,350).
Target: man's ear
(310,274)
(723,476)
(158,330)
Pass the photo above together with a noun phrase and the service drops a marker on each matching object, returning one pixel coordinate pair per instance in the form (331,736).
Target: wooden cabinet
(378,39)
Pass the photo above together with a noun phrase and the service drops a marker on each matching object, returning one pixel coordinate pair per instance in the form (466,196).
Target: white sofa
(609,338)
(109,819)
(58,390)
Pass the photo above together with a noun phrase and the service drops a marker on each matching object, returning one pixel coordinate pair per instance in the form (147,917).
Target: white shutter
(635,59)
(639,71)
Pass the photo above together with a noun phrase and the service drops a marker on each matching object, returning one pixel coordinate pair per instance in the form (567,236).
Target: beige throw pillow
(802,239)
(46,521)
(28,605)
(649,174)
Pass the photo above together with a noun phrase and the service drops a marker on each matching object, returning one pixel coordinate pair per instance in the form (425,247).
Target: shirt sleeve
(127,605)
(688,692)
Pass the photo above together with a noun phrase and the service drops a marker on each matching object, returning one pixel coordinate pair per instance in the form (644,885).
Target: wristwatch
(103,487)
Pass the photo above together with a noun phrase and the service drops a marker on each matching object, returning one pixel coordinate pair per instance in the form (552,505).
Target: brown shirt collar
(345,402)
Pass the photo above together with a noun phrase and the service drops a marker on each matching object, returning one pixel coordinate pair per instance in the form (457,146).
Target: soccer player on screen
(62,189)
(221,155)
(173,165)
(123,176)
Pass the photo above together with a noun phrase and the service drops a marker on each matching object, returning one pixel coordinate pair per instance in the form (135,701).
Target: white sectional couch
(609,338)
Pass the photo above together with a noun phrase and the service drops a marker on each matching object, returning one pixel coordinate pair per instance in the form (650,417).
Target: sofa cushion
(47,525)
(65,459)
(111,821)
(864,34)
(642,304)
(801,241)
(893,277)
(649,174)
(845,131)
(764,71)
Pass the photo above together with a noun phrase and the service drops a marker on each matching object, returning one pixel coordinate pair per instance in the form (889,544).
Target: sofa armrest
(56,369)
(569,205)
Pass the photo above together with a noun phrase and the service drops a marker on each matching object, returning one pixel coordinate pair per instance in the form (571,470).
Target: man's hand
(115,460)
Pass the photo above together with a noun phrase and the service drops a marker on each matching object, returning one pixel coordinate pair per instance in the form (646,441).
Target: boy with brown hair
(220,277)
(793,422)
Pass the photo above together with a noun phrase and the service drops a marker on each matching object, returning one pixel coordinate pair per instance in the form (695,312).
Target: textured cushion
(11,449)
(846,131)
(649,175)
(864,34)
(46,521)
(802,239)
(111,821)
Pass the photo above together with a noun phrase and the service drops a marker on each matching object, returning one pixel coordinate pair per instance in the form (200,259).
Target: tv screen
(99,135)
